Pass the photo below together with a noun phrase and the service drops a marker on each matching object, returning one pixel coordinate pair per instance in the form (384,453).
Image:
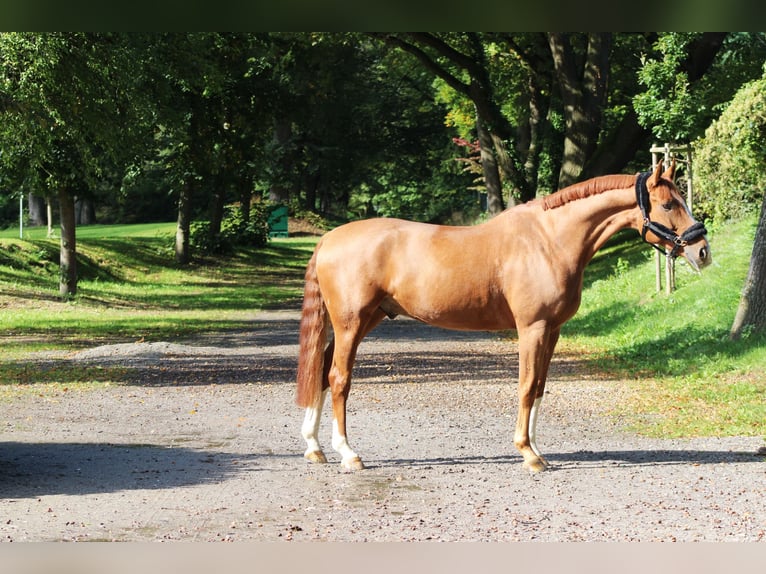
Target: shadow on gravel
(443,461)
(654,457)
(29,470)
(593,459)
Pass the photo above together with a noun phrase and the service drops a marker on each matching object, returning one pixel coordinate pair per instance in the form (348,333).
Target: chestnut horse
(521,270)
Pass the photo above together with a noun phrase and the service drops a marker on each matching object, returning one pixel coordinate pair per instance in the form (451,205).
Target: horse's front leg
(340,385)
(349,459)
(534,414)
(533,359)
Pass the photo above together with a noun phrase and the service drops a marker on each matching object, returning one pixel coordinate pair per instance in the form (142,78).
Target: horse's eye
(669,205)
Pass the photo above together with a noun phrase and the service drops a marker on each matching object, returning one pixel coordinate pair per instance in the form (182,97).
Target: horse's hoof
(352,464)
(315,456)
(536,466)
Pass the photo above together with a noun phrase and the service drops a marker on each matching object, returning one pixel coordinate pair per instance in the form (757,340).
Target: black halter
(695,231)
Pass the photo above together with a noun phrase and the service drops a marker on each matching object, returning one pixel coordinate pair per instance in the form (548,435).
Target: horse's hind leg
(310,427)
(346,344)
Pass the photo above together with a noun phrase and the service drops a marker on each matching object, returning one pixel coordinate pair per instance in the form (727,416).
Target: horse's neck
(586,224)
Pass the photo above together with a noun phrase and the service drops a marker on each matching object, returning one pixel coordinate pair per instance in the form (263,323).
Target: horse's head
(666,220)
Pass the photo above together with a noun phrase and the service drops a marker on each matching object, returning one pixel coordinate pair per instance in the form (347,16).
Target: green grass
(130,288)
(98,231)
(687,377)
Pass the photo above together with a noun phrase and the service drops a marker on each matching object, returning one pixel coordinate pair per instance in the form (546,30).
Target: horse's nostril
(703,253)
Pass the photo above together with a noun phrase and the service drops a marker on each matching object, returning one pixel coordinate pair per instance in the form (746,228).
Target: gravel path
(202,442)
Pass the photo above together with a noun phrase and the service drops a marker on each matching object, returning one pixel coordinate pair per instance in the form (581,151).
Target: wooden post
(658,271)
(689,186)
(670,275)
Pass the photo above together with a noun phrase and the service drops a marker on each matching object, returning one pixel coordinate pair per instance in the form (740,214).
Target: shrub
(235,231)
(730,160)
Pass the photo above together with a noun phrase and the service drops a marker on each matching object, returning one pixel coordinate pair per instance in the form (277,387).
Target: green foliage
(668,104)
(730,160)
(677,108)
(236,231)
(63,94)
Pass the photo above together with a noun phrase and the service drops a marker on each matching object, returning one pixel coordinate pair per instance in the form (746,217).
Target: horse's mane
(587,188)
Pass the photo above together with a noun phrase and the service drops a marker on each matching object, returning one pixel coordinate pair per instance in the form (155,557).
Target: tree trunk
(184,222)
(85,211)
(751,314)
(217,204)
(538,110)
(68,255)
(36,209)
(49,214)
(311,185)
(489,168)
(279,192)
(245,186)
(618,147)
(583,89)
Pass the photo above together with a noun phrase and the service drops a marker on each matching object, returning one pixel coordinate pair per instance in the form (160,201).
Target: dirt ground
(202,442)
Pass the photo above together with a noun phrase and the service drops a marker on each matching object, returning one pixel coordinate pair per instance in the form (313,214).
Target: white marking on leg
(340,444)
(310,427)
(533,415)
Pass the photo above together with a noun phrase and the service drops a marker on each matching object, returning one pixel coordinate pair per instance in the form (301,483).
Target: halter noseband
(695,231)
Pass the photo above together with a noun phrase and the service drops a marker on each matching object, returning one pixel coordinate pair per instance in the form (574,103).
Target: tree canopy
(427,126)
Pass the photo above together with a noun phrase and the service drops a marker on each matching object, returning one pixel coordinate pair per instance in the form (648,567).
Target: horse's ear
(671,171)
(654,179)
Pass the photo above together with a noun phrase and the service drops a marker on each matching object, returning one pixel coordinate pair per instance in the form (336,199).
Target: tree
(190,76)
(540,99)
(751,314)
(730,160)
(359,131)
(461,61)
(582,82)
(730,182)
(689,77)
(68,121)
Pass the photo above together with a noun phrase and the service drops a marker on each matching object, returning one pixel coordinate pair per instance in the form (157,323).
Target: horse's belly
(488,316)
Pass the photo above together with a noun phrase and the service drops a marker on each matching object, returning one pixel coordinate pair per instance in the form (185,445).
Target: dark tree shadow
(29,470)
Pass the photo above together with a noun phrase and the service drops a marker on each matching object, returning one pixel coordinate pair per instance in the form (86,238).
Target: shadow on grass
(626,245)
(600,321)
(682,351)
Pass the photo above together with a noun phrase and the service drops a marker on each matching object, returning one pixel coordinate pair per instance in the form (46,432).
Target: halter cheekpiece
(695,231)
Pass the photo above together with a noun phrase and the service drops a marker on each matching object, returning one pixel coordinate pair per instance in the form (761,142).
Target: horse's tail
(312,339)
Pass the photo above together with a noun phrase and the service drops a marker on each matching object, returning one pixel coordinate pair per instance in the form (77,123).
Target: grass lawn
(130,288)
(674,351)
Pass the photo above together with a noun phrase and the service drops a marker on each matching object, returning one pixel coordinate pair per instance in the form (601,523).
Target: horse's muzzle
(698,254)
